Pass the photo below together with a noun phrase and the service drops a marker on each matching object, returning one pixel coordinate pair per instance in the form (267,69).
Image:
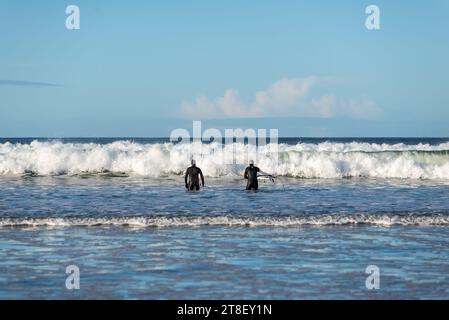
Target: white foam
(233,221)
(323,160)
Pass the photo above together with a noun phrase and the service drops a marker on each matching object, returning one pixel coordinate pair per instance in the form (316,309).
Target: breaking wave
(303,160)
(232,221)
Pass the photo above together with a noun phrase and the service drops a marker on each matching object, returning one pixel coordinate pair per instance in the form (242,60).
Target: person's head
(193,163)
(251,163)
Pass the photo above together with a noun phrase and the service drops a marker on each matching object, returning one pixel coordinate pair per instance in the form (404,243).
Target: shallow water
(140,238)
(223,262)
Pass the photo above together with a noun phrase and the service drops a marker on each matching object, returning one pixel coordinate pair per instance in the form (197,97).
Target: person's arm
(202,177)
(245,175)
(262,173)
(185,177)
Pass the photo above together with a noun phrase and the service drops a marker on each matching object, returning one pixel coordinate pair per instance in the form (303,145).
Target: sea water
(117,209)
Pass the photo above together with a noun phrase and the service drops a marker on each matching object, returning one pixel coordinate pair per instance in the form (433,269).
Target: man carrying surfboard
(192,177)
(251,174)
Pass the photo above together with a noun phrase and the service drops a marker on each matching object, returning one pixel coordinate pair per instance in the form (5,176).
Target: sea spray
(303,160)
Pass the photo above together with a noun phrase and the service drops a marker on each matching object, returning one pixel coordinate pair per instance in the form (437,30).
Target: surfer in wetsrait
(251,173)
(192,177)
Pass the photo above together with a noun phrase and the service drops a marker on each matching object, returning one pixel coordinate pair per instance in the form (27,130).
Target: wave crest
(233,221)
(323,160)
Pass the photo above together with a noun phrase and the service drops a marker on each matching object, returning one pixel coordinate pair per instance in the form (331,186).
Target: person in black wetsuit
(251,176)
(191,178)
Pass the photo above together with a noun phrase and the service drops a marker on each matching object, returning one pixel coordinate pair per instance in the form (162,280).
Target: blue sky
(143,68)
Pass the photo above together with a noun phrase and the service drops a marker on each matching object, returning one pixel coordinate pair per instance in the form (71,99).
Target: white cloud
(361,108)
(325,105)
(285,97)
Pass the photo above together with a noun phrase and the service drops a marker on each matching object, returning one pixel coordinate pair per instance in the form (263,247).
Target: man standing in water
(251,176)
(191,178)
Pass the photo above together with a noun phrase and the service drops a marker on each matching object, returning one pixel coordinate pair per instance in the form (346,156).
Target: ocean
(117,209)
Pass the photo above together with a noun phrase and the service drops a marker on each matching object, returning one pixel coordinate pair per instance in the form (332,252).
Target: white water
(255,221)
(323,160)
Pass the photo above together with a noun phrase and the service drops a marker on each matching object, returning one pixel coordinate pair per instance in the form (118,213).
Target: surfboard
(267,177)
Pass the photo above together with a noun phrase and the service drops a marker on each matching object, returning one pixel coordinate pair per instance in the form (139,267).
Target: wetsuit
(251,175)
(191,178)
